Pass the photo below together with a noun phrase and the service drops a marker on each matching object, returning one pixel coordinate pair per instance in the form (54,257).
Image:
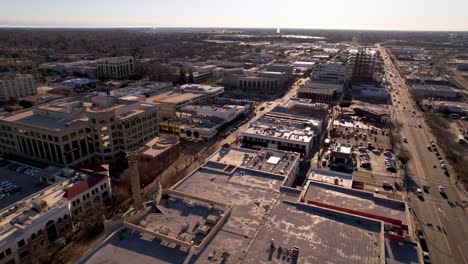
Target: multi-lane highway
(442,218)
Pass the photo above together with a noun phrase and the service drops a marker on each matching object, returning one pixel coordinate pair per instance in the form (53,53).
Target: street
(443,219)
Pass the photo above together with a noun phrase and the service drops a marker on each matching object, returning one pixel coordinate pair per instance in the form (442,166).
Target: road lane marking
(443,234)
(461,252)
(442,212)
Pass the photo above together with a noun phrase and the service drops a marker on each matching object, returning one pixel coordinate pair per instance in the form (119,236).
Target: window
(21,243)
(2,255)
(8,251)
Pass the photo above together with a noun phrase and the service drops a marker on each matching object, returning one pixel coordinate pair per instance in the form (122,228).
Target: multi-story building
(55,133)
(361,64)
(327,76)
(332,72)
(116,67)
(80,67)
(146,88)
(49,217)
(259,80)
(16,86)
(70,132)
(169,102)
(434,91)
(341,155)
(120,125)
(200,122)
(296,126)
(210,91)
(319,95)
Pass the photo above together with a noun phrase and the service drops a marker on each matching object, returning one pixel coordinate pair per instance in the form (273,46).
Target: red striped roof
(95,176)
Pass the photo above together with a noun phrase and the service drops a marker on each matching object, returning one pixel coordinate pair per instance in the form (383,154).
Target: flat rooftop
(24,213)
(273,161)
(181,218)
(173,97)
(329,176)
(267,160)
(233,156)
(342,147)
(260,213)
(285,129)
(28,118)
(356,200)
(158,145)
(322,91)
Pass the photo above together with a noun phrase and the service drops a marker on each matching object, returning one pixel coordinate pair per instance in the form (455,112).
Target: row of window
(87,196)
(275,142)
(5,253)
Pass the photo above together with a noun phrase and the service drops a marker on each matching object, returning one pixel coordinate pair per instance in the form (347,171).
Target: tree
(190,78)
(90,220)
(25,104)
(182,77)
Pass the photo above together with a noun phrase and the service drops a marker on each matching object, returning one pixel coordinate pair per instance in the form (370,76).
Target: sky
(314,14)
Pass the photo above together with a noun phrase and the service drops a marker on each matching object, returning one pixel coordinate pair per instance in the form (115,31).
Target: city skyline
(356,15)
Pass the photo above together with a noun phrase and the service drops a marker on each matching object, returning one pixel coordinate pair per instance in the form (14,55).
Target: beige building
(121,125)
(47,217)
(116,67)
(16,86)
(71,132)
(171,101)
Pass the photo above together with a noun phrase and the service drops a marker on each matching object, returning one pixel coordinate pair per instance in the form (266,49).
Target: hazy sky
(327,14)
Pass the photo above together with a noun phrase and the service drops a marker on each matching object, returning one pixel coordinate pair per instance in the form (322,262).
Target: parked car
(441,189)
(426,258)
(419,192)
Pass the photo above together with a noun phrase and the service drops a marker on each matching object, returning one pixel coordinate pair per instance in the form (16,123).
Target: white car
(426,258)
(441,189)
(419,192)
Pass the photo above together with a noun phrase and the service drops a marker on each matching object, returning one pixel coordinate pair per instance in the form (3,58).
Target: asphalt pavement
(442,217)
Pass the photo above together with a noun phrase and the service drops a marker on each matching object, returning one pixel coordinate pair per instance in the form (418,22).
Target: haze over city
(334,14)
(251,132)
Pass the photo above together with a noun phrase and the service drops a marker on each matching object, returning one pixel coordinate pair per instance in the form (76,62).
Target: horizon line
(207,27)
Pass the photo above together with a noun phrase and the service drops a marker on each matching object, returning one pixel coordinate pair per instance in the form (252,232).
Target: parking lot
(16,185)
(376,161)
(360,134)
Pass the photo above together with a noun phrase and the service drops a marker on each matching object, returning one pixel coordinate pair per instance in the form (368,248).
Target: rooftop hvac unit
(67,172)
(39,204)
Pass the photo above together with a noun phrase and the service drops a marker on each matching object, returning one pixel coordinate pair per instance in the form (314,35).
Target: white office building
(16,86)
(116,67)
